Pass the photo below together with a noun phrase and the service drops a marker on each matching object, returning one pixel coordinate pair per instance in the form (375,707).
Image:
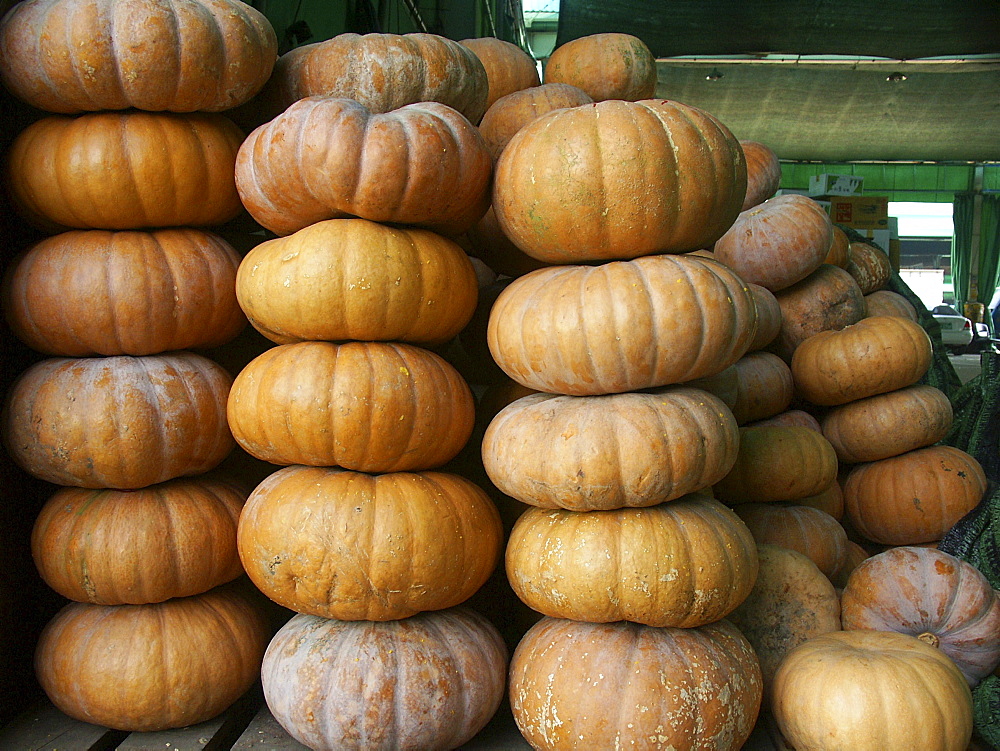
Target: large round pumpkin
(118,422)
(431,681)
(763,173)
(117,547)
(606,66)
(683,563)
(508,67)
(619,180)
(884,302)
(153,667)
(804,529)
(588,686)
(354,546)
(621,326)
(764,388)
(612,451)
(68,56)
(366,406)
(92,292)
(869,266)
(354,279)
(513,111)
(130,170)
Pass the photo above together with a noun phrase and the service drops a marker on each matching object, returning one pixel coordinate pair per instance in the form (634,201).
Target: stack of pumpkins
(634,566)
(123,415)
(359,534)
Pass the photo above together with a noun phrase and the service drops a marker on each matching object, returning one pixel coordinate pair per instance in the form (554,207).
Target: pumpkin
(869,266)
(763,173)
(778,243)
(611,451)
(431,681)
(871,691)
(873,356)
(93,292)
(683,563)
(827,300)
(884,302)
(725,385)
(618,180)
(914,497)
(324,158)
(355,279)
(365,406)
(508,67)
(691,688)
(856,555)
(768,316)
(353,546)
(840,251)
(488,242)
(621,326)
(789,418)
(932,595)
(805,529)
(117,547)
(765,387)
(830,500)
(606,66)
(778,463)
(791,601)
(118,422)
(69,56)
(153,667)
(890,424)
(131,170)
(510,113)
(496,396)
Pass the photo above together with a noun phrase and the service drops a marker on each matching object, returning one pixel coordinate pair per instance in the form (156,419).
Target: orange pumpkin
(869,266)
(805,529)
(606,66)
(488,242)
(765,387)
(768,316)
(763,173)
(884,302)
(508,67)
(789,418)
(840,250)
(515,110)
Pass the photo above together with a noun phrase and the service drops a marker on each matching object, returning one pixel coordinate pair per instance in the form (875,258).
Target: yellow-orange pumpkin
(508,67)
(606,66)
(512,112)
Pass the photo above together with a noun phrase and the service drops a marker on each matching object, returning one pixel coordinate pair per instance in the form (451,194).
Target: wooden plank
(500,734)
(264,732)
(45,728)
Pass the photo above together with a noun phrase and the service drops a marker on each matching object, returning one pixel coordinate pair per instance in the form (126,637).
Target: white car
(956,329)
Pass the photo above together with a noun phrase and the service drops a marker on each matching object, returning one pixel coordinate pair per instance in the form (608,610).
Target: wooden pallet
(246,725)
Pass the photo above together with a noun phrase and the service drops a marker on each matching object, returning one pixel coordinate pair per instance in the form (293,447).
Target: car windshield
(944,310)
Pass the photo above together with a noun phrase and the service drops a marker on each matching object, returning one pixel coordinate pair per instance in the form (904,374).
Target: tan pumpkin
(324,158)
(914,497)
(606,66)
(508,67)
(765,387)
(618,180)
(691,688)
(768,316)
(69,56)
(131,170)
(153,667)
(873,356)
(934,596)
(354,279)
(118,547)
(805,529)
(871,691)
(884,302)
(118,422)
(725,385)
(612,451)
(365,406)
(890,424)
(402,543)
(92,292)
(488,242)
(621,326)
(830,500)
(683,563)
(512,112)
(763,173)
(869,266)
(429,681)
(789,418)
(840,250)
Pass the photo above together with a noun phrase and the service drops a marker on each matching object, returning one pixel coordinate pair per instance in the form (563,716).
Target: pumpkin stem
(930,638)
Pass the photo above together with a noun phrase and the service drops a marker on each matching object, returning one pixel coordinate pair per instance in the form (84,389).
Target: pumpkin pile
(121,413)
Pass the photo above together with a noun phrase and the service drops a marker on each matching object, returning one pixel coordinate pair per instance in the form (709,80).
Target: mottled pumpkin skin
(118,422)
(353,546)
(683,563)
(512,112)
(431,681)
(606,66)
(93,292)
(763,173)
(354,279)
(932,595)
(871,691)
(691,688)
(70,56)
(914,497)
(805,529)
(884,302)
(619,180)
(365,406)
(508,67)
(130,170)
(118,547)
(623,326)
(608,452)
(153,667)
(869,266)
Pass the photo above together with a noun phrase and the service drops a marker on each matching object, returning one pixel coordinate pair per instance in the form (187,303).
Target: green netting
(986,710)
(930,183)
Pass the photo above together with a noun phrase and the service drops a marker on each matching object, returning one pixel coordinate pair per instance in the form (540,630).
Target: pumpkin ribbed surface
(869,266)
(621,326)
(130,170)
(508,67)
(354,546)
(763,173)
(764,388)
(323,158)
(683,563)
(118,422)
(768,316)
(804,529)
(514,111)
(690,688)
(884,302)
(606,66)
(840,251)
(366,406)
(354,279)
(92,292)
(68,56)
